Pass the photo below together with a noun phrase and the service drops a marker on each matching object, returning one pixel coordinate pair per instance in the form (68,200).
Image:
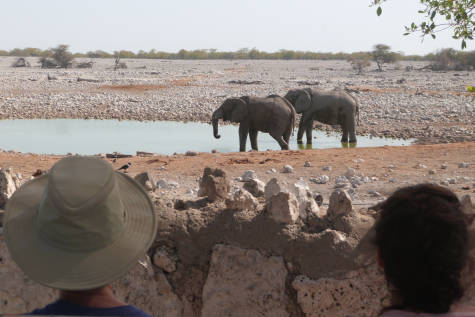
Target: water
(61,136)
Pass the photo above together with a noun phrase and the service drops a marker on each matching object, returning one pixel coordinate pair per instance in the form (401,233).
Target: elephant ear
(239,110)
(303,102)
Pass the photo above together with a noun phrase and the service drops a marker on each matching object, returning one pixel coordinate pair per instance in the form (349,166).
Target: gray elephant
(272,114)
(335,107)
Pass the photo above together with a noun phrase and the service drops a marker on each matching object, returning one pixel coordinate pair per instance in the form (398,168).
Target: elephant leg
(283,145)
(309,132)
(300,131)
(253,137)
(243,132)
(287,135)
(344,127)
(352,129)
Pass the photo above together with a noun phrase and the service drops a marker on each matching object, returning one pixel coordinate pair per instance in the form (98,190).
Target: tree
(62,56)
(359,63)
(457,14)
(382,55)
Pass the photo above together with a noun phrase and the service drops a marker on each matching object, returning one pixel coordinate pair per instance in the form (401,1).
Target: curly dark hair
(423,241)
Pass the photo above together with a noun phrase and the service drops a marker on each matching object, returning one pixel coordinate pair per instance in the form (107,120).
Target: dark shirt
(61,307)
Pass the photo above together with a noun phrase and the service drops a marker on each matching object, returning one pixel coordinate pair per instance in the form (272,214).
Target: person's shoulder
(134,311)
(402,313)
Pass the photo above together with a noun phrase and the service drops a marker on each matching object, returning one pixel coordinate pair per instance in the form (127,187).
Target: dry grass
(182,82)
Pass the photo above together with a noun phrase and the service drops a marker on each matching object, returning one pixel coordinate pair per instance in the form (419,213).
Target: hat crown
(75,181)
(81,207)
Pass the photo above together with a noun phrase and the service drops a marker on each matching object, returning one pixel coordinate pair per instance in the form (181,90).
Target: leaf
(433,36)
(464,44)
(433,15)
(471,89)
(379,11)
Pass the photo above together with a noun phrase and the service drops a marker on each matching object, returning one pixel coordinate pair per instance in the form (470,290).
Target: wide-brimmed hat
(81,226)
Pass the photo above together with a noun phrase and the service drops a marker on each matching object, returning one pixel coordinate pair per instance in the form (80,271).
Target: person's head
(81,226)
(422,243)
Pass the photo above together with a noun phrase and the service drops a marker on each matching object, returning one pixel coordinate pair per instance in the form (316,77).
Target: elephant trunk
(215,128)
(214,121)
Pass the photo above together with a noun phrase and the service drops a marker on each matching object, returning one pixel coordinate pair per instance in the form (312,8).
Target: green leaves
(459,17)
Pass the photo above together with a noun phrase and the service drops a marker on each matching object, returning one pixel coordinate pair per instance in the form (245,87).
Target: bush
(62,56)
(359,64)
(382,55)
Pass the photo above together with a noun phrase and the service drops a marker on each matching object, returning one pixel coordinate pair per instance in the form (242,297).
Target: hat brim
(66,270)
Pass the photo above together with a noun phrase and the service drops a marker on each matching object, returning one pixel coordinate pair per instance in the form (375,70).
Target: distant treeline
(244,53)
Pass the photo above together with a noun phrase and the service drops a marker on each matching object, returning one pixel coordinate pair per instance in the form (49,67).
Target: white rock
(255,187)
(464,165)
(242,200)
(420,165)
(164,260)
(374,193)
(307,164)
(341,180)
(271,171)
(162,183)
(243,282)
(443,166)
(248,175)
(467,206)
(283,208)
(287,169)
(327,168)
(350,172)
(7,186)
(307,205)
(273,187)
(320,179)
(340,203)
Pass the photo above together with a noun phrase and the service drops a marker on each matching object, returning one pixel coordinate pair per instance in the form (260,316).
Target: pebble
(350,172)
(320,180)
(288,169)
(463,165)
(248,175)
(420,166)
(443,166)
(374,193)
(327,168)
(431,172)
(307,164)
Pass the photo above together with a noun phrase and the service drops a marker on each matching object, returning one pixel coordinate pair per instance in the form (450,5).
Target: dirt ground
(387,167)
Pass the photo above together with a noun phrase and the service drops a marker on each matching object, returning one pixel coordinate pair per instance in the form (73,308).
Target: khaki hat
(81,226)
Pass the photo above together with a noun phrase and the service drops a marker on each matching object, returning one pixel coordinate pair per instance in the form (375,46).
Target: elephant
(272,114)
(336,107)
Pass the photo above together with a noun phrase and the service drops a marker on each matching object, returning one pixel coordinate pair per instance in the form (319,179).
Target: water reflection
(60,136)
(345,145)
(348,145)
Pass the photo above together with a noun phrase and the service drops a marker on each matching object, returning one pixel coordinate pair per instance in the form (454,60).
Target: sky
(225,25)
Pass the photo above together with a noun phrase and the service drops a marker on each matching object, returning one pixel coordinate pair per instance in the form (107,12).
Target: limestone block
(307,205)
(467,206)
(255,187)
(273,187)
(146,179)
(244,283)
(214,184)
(149,290)
(7,186)
(340,203)
(165,260)
(242,200)
(359,293)
(283,208)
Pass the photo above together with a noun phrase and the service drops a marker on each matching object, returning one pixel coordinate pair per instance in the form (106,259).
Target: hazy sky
(268,25)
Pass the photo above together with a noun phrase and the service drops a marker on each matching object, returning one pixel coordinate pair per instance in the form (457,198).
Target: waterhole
(61,136)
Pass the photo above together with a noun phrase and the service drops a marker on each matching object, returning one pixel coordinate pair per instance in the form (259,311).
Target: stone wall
(230,258)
